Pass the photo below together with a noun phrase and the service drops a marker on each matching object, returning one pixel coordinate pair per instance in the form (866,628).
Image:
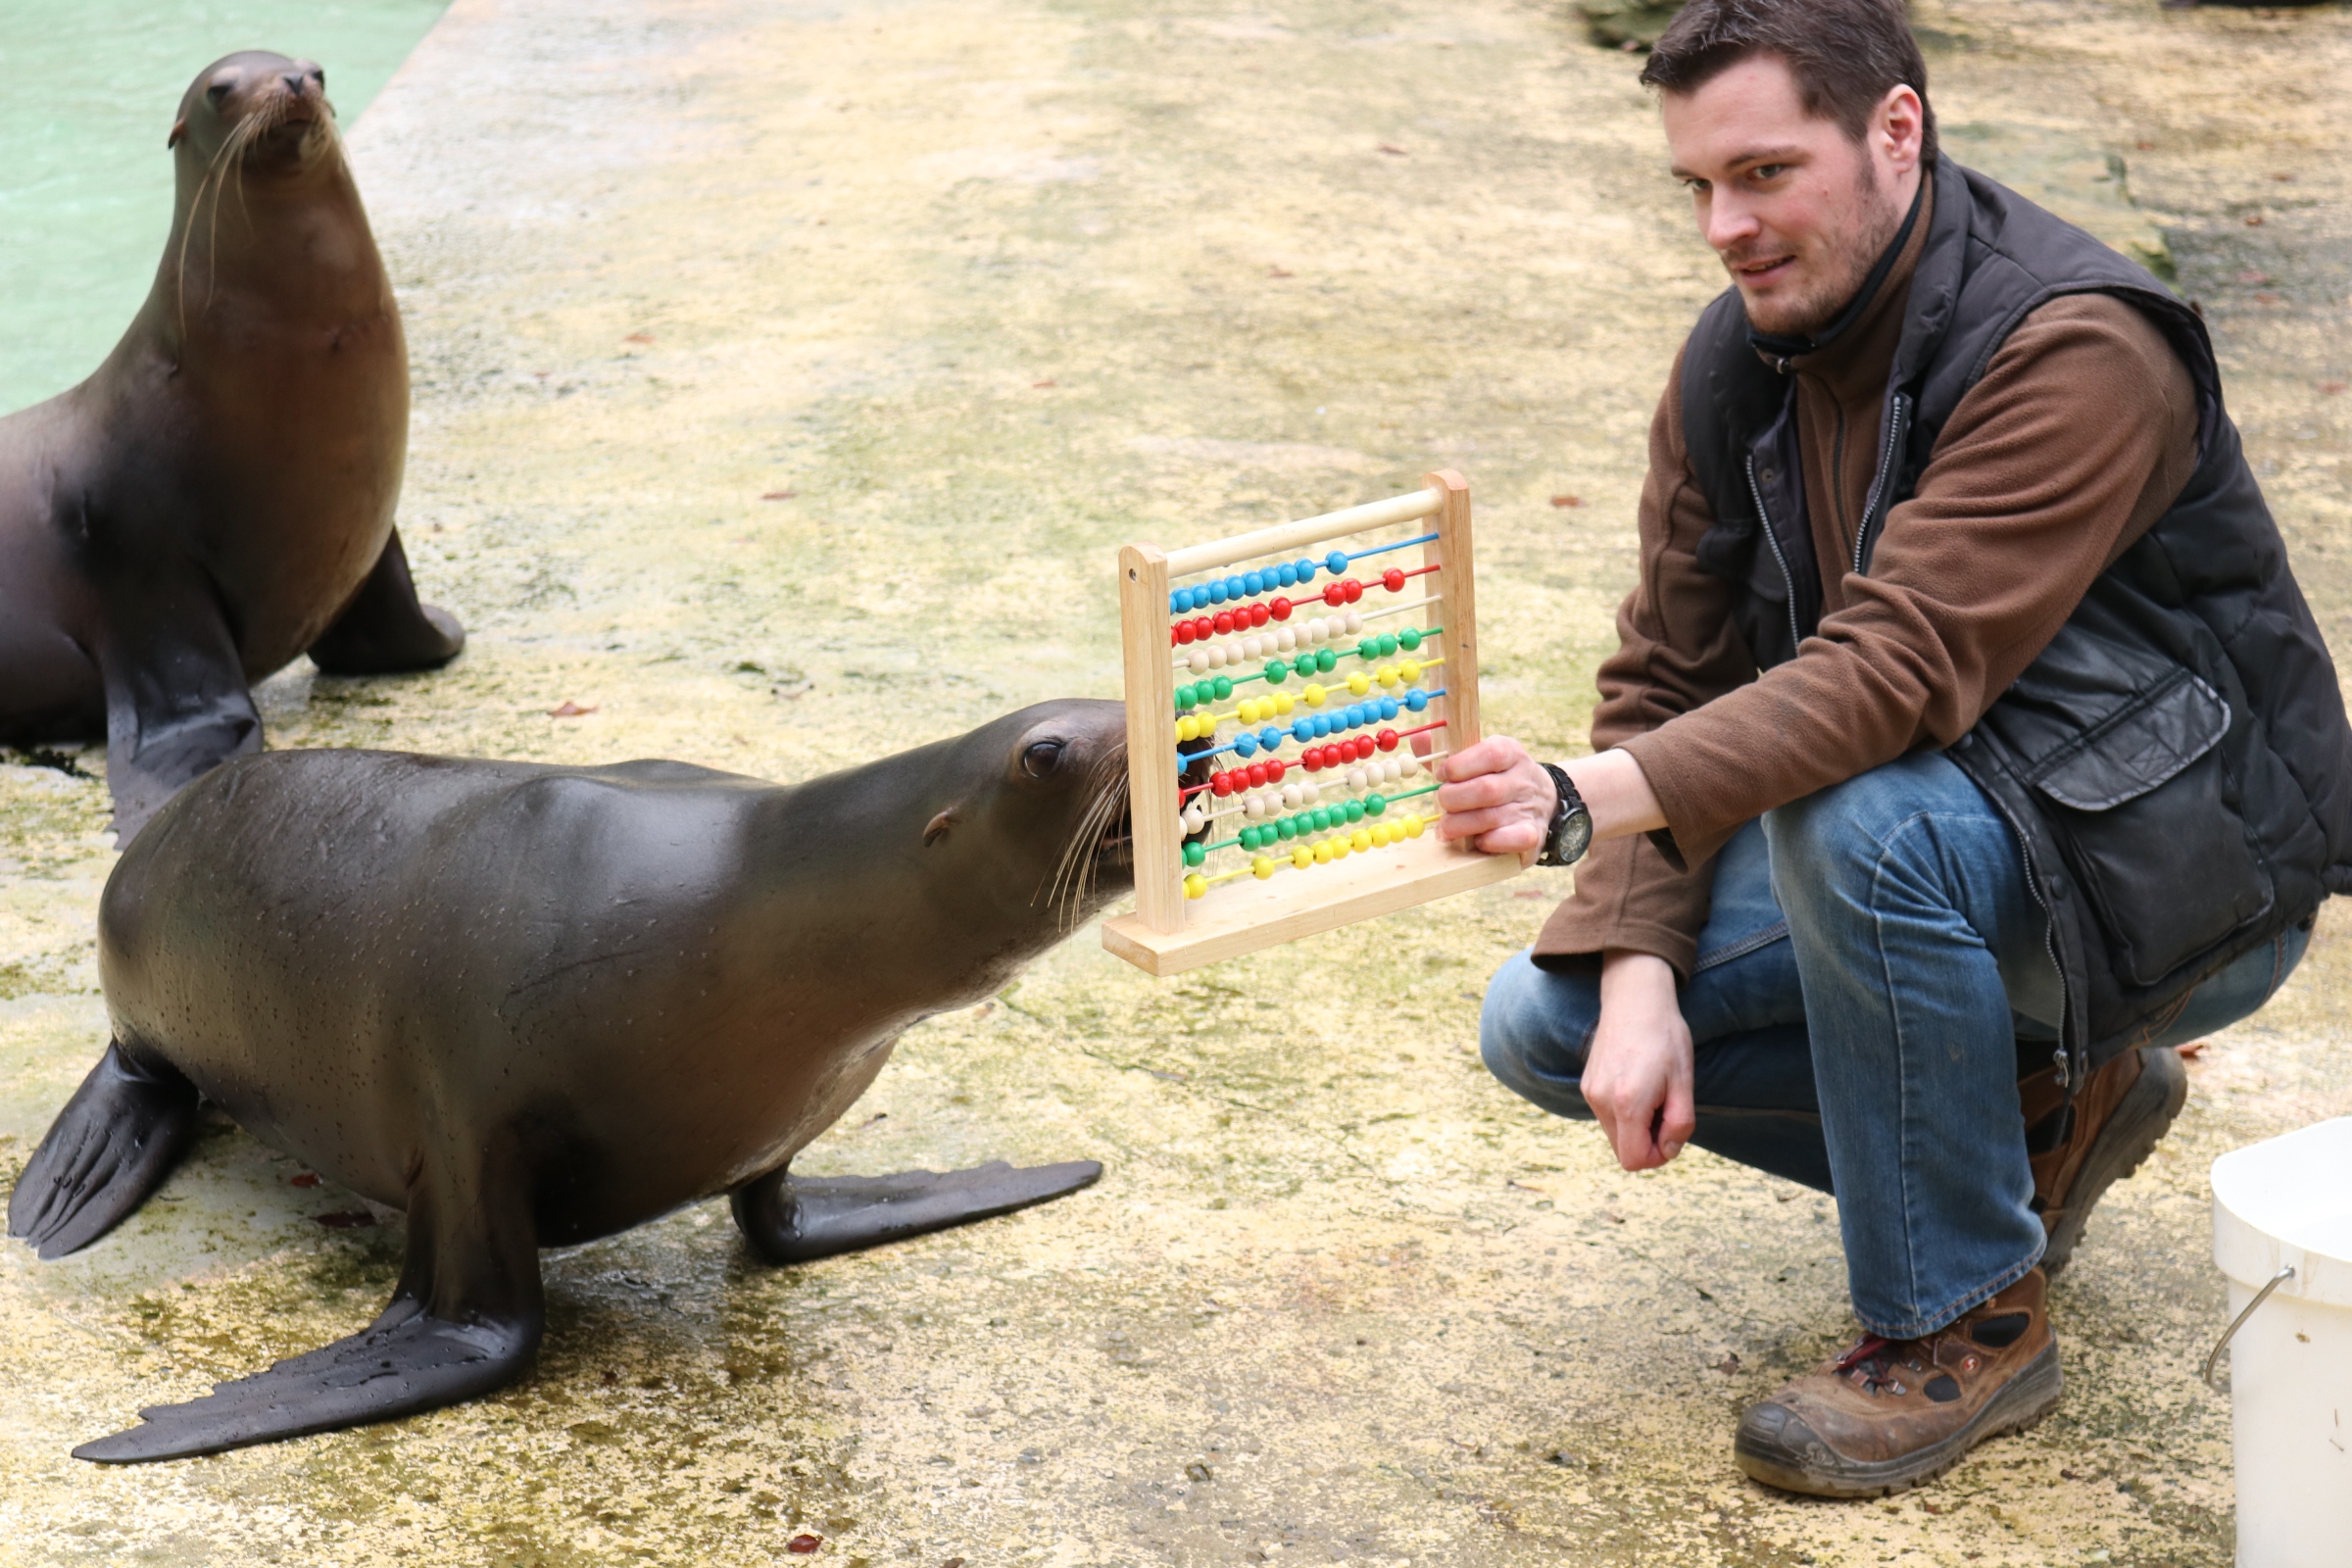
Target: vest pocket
(2146,815)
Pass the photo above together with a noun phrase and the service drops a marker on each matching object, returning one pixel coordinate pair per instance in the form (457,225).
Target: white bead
(1255,806)
(1309,791)
(1355,623)
(1407,765)
(1196,817)
(1318,631)
(1285,640)
(1216,655)
(1254,646)
(1199,662)
(1290,796)
(1392,771)
(1356,779)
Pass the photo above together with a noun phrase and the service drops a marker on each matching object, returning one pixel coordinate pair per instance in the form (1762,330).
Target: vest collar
(1779,350)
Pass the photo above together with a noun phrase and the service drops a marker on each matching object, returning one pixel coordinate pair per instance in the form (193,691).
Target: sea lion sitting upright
(535,1005)
(218,497)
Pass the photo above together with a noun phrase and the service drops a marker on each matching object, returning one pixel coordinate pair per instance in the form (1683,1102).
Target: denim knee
(1535,1030)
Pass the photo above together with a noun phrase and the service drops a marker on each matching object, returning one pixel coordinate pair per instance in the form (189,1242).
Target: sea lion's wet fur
(218,497)
(534,1005)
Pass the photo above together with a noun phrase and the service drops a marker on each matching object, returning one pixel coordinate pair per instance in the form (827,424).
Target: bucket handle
(2238,1322)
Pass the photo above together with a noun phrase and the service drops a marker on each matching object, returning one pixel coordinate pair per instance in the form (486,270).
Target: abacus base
(1246,916)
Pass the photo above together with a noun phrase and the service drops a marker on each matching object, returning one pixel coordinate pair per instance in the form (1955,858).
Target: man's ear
(179,130)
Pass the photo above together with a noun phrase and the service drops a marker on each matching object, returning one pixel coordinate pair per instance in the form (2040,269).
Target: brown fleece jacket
(2081,434)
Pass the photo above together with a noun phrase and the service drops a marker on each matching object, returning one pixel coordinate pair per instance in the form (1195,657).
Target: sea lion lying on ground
(535,1005)
(218,497)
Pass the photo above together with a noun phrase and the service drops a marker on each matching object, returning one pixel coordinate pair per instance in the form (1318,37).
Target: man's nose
(1729,221)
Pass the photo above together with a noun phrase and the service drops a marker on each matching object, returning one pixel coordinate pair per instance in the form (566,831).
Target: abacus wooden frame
(1168,933)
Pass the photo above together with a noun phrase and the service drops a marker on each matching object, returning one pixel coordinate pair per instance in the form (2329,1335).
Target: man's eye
(1767,172)
(1696,187)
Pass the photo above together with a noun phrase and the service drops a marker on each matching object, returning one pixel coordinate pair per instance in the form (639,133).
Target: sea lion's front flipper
(114,1144)
(793,1219)
(385,630)
(177,702)
(465,1320)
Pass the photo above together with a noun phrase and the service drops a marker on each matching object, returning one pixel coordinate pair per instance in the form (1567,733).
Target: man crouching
(1969,745)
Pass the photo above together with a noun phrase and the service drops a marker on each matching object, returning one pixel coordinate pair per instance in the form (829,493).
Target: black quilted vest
(2177,763)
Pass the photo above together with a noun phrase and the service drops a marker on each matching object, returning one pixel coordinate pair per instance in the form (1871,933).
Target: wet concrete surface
(786,377)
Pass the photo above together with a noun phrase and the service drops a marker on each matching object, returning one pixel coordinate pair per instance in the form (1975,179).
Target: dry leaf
(1567,501)
(570,710)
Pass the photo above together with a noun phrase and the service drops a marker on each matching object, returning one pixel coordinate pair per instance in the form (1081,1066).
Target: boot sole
(2024,1400)
(2131,1134)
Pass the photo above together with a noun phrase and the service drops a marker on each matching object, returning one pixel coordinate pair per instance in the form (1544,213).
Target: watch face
(1575,836)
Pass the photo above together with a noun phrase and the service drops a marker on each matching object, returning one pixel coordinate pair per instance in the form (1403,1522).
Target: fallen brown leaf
(2253,220)
(1277,271)
(2252,275)
(570,710)
(638,337)
(1393,150)
(778,495)
(2266,298)
(309,1178)
(1567,501)
(803,1546)
(1041,384)
(2331,387)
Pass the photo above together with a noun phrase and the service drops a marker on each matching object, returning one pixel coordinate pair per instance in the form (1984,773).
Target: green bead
(1223,686)
(1195,853)
(1325,660)
(1374,804)
(1355,810)
(1388,642)
(1409,638)
(1287,827)
(1276,669)
(1320,817)
(1185,700)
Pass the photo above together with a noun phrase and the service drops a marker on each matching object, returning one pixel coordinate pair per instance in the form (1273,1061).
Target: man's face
(1797,209)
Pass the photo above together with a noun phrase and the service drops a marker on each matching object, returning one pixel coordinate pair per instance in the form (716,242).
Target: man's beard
(1876,222)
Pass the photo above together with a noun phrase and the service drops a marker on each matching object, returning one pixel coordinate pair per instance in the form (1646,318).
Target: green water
(85,183)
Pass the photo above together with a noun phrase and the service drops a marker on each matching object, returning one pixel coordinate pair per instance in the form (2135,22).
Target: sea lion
(534,1005)
(218,497)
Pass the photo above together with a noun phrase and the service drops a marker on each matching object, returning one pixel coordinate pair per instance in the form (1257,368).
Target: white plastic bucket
(2278,1205)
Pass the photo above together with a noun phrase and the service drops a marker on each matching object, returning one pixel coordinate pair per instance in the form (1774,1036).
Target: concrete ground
(787,376)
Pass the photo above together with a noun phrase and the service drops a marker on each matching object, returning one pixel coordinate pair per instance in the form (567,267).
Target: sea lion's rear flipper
(465,1320)
(177,702)
(793,1219)
(114,1144)
(384,629)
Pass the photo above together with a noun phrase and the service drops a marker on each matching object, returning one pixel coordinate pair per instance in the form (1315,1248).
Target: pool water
(85,181)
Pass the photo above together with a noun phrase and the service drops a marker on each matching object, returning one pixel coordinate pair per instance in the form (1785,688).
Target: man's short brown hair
(1846,55)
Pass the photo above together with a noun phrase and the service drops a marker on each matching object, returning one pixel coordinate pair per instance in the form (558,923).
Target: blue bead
(1270,737)
(1232,586)
(1387,707)
(1336,562)
(1215,592)
(1245,744)
(1306,570)
(1254,581)
(1303,730)
(1323,725)
(1286,575)
(1416,699)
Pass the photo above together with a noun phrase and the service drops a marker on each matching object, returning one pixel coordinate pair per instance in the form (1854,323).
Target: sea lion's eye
(217,92)
(1038,760)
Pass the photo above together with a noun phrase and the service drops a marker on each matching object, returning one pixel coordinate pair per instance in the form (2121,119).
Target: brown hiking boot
(2079,1149)
(1892,1413)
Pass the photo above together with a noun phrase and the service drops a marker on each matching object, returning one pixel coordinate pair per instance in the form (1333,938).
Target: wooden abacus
(1278,742)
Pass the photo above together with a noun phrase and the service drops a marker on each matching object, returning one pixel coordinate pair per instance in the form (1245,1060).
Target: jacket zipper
(1896,415)
(1764,522)
(2062,1059)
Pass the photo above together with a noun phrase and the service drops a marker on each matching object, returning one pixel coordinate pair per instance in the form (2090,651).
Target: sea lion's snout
(260,107)
(1063,799)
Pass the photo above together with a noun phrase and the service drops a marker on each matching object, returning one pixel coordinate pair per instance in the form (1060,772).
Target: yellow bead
(1358,684)
(1339,848)
(1387,674)
(1323,853)
(1410,672)
(1362,838)
(1302,856)
(1412,826)
(1381,838)
(1313,696)
(1261,868)
(1248,713)
(1195,885)
(1282,704)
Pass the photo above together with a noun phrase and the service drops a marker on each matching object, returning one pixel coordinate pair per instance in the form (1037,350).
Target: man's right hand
(1637,1077)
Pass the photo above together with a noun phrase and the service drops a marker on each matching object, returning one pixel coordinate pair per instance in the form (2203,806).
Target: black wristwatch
(1571,830)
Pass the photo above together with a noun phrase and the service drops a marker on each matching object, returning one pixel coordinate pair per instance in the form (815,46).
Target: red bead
(1202,630)
(1185,632)
(1224,620)
(1220,783)
(1359,748)
(1280,609)
(1334,594)
(1393,579)
(1259,615)
(1173,637)
(1275,769)
(1312,759)
(1257,774)
(1388,740)
(1352,590)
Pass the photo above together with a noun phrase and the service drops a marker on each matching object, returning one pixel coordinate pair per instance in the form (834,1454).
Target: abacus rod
(1228,810)
(1305,532)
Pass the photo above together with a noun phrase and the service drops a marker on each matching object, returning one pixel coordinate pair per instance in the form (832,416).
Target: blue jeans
(1871,962)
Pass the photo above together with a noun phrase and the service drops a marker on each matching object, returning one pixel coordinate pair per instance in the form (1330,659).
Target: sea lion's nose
(294,81)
